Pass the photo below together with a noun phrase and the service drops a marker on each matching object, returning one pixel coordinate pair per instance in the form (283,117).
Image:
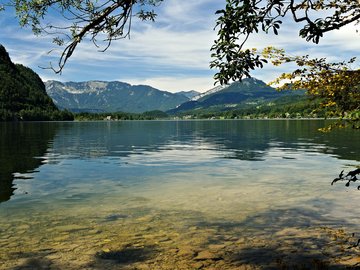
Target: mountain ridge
(99,96)
(111,96)
(248,92)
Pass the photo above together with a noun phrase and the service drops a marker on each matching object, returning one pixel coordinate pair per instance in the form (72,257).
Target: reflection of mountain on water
(245,140)
(20,146)
(99,139)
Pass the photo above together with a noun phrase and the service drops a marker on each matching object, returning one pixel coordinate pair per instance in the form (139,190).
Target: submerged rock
(207,255)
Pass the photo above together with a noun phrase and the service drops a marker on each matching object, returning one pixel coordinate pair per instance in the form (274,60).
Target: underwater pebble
(186,251)
(70,228)
(23,227)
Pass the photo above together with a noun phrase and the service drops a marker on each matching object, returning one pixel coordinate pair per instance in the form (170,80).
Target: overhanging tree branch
(110,20)
(96,22)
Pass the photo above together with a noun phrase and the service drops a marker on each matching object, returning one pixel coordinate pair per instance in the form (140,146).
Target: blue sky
(172,54)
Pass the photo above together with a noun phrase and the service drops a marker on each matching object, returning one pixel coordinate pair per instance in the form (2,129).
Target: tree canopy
(242,18)
(336,84)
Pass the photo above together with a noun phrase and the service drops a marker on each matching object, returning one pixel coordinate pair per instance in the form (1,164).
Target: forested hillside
(23,95)
(248,94)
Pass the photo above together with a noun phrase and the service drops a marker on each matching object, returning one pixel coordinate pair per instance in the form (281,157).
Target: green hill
(23,95)
(239,95)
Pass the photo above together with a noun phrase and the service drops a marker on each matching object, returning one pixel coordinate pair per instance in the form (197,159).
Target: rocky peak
(4,56)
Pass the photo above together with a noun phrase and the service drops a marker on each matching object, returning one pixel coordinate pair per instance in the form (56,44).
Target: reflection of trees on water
(21,145)
(245,140)
(251,140)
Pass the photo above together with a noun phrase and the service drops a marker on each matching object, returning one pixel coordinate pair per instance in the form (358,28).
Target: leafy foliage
(23,95)
(336,84)
(242,18)
(349,177)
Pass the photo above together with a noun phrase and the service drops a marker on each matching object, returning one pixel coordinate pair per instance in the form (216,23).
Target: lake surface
(177,195)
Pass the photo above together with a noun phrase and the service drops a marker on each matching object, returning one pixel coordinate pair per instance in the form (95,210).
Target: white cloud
(200,13)
(176,84)
(172,53)
(154,47)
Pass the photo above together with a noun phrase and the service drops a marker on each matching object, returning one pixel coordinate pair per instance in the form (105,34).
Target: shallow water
(176,195)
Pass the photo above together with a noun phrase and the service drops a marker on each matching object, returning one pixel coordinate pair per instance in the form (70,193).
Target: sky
(172,54)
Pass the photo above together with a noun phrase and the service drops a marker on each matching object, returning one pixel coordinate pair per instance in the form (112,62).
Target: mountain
(189,94)
(249,92)
(22,93)
(209,92)
(101,96)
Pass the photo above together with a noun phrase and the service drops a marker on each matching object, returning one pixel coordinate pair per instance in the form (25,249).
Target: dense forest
(150,115)
(286,107)
(22,94)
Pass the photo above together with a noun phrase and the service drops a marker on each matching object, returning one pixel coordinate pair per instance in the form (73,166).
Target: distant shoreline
(180,119)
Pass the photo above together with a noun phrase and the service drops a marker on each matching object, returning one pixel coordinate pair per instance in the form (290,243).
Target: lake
(240,194)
